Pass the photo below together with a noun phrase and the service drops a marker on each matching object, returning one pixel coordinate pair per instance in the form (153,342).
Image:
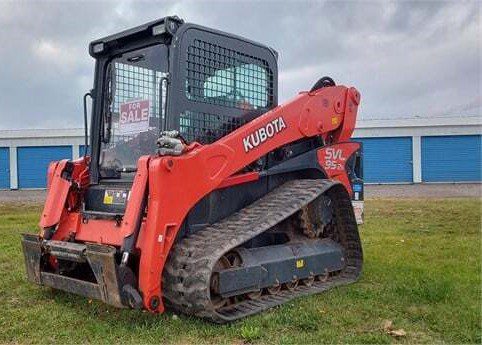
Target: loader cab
(171,75)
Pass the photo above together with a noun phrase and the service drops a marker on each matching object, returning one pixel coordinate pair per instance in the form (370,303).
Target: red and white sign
(134,117)
(358,207)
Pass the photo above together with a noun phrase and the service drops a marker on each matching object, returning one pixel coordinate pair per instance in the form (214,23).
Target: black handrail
(86,131)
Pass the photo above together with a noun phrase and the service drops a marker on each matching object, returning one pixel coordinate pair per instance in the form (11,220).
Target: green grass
(422,271)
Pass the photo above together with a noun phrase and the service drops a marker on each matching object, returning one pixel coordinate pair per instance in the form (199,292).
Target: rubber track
(187,274)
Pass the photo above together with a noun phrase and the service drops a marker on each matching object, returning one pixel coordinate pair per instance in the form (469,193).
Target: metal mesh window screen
(226,77)
(206,128)
(136,83)
(135,93)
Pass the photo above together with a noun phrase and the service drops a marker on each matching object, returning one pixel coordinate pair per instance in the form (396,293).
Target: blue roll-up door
(387,160)
(4,168)
(33,162)
(455,158)
(82,150)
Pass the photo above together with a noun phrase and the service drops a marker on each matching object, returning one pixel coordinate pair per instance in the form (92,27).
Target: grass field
(422,272)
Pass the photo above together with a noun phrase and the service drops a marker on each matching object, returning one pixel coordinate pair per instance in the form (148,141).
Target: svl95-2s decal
(334,159)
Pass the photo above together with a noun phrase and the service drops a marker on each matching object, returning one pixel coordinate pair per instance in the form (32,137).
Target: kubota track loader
(199,192)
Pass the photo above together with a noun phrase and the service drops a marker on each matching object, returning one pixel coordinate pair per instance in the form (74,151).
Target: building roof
(364,127)
(441,121)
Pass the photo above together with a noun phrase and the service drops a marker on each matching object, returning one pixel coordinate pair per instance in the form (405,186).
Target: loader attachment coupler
(106,285)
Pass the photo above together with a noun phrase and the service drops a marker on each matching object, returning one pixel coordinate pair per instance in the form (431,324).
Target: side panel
(451,158)
(33,163)
(223,202)
(387,160)
(4,168)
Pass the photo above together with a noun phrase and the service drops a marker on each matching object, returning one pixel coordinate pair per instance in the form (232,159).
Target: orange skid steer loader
(198,192)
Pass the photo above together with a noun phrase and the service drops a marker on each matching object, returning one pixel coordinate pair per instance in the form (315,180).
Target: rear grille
(233,86)
(226,77)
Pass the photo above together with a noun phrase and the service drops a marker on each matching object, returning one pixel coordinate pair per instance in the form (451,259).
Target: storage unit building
(411,150)
(30,151)
(417,150)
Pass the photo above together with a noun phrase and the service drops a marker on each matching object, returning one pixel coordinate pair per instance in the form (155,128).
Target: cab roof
(165,27)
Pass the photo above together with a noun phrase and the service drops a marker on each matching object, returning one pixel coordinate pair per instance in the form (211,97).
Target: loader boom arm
(326,112)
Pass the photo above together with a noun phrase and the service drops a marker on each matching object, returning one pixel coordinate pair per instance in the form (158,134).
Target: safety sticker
(115,197)
(300,263)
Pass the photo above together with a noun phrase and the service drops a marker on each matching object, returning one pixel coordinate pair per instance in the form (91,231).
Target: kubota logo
(264,133)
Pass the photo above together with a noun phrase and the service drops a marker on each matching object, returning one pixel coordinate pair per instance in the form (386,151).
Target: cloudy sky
(407,59)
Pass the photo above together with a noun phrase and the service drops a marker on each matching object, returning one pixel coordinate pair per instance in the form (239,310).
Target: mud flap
(100,258)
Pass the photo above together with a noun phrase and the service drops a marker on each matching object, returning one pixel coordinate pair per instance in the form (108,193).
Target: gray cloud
(407,58)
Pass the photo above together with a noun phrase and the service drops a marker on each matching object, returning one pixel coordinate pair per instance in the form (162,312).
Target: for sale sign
(134,117)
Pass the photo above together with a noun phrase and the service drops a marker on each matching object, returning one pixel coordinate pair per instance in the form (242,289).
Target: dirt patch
(22,196)
(434,190)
